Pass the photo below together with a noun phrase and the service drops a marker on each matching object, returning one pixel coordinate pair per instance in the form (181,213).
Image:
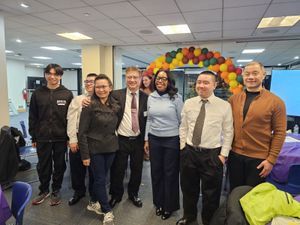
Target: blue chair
(21,194)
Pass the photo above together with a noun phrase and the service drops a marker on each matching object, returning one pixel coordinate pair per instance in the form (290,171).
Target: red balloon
(221,60)
(209,55)
(190,55)
(191,49)
(238,71)
(231,68)
(167,54)
(202,57)
(185,60)
(196,60)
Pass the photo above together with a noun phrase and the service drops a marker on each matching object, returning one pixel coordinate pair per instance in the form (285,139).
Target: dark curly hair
(171,89)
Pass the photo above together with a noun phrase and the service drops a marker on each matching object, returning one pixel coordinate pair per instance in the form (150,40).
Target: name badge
(61,102)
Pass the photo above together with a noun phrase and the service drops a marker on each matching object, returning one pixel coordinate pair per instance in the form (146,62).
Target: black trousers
(132,148)
(51,153)
(242,170)
(164,159)
(206,166)
(78,172)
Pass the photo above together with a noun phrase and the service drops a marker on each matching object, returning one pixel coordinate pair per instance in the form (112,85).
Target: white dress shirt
(125,128)
(218,124)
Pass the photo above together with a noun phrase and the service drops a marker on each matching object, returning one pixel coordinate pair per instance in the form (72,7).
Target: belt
(130,138)
(200,149)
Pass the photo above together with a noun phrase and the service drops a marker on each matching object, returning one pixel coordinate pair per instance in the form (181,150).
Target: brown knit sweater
(262,133)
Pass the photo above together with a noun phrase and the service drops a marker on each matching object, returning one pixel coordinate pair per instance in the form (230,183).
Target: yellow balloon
(161,58)
(180,64)
(158,64)
(197,51)
(223,67)
(210,67)
(155,70)
(191,62)
(179,56)
(175,62)
(172,67)
(232,76)
(200,64)
(233,83)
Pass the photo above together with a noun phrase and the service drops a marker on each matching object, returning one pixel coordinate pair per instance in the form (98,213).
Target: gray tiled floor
(125,213)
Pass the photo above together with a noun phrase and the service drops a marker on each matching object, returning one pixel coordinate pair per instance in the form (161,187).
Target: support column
(97,59)
(118,79)
(4,112)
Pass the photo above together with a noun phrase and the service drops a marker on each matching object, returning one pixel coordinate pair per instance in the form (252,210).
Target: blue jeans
(100,164)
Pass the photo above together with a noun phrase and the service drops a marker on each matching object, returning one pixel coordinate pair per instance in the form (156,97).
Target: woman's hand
(146,147)
(86,162)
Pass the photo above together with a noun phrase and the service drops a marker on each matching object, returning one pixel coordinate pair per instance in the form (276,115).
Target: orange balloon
(165,66)
(226,80)
(223,67)
(185,51)
(216,68)
(228,61)
(217,54)
(152,65)
(224,75)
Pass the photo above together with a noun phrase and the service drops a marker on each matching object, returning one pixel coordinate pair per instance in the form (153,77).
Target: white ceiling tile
(283,9)
(237,33)
(63,4)
(167,19)
(35,6)
(137,22)
(180,37)
(105,24)
(151,31)
(9,24)
(155,7)
(211,35)
(234,3)
(29,20)
(295,30)
(99,35)
(100,2)
(241,24)
(194,5)
(118,10)
(249,12)
(155,38)
(33,31)
(132,40)
(203,16)
(79,13)
(120,33)
(202,27)
(55,17)
(112,41)
(53,28)
(77,27)
(271,31)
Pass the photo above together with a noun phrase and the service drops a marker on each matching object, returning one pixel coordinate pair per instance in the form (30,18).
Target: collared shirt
(73,117)
(218,124)
(164,115)
(125,128)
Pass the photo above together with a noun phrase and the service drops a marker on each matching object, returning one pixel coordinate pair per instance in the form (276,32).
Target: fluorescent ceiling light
(36,64)
(74,36)
(281,21)
(175,29)
(24,5)
(296,57)
(9,51)
(279,64)
(252,51)
(54,48)
(76,64)
(41,57)
(19,40)
(244,60)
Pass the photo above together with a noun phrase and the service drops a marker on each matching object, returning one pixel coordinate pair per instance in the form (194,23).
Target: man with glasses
(131,132)
(78,170)
(48,129)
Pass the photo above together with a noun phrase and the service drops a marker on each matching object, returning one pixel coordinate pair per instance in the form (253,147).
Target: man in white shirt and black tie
(206,134)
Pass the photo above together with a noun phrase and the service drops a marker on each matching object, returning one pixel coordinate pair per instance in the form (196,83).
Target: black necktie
(199,125)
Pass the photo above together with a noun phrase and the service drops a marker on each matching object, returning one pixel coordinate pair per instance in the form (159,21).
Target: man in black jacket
(131,132)
(48,129)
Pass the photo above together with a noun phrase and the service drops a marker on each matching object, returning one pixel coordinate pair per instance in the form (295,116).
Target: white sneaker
(108,218)
(95,207)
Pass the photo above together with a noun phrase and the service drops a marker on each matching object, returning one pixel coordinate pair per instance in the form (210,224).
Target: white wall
(34,72)
(16,80)
(69,80)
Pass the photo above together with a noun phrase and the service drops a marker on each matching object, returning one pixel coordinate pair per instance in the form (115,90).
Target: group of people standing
(105,128)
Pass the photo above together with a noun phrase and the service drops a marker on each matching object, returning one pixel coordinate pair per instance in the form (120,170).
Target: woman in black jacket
(98,141)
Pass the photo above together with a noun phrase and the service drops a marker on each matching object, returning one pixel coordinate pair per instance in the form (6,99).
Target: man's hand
(222,158)
(267,168)
(86,162)
(146,147)
(73,147)
(86,101)
(33,144)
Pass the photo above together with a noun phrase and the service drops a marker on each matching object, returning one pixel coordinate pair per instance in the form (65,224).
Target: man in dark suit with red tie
(131,132)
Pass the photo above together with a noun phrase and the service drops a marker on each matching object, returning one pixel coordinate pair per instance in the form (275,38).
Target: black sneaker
(55,198)
(40,198)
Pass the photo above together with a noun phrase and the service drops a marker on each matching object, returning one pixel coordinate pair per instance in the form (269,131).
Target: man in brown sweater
(259,130)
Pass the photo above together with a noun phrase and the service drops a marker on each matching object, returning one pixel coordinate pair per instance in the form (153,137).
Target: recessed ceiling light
(86,14)
(24,5)
(174,29)
(76,64)
(9,51)
(244,60)
(19,40)
(296,57)
(54,48)
(279,64)
(281,21)
(240,65)
(252,51)
(74,36)
(41,57)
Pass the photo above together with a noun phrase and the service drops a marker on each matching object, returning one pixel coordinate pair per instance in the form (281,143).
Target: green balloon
(204,51)
(179,50)
(239,79)
(206,63)
(169,59)
(213,61)
(173,54)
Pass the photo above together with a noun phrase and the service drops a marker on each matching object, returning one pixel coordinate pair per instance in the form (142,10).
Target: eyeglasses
(88,81)
(162,79)
(52,74)
(102,87)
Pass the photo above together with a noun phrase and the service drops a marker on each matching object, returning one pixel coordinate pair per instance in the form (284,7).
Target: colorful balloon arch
(203,58)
